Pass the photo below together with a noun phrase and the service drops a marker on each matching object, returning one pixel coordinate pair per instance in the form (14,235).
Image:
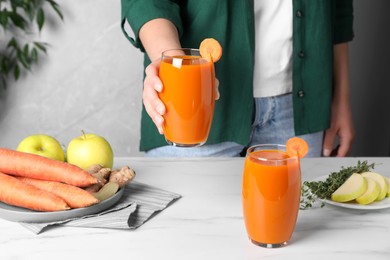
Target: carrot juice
(270,194)
(188,95)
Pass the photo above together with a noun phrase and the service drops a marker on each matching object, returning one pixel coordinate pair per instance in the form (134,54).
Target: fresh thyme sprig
(311,191)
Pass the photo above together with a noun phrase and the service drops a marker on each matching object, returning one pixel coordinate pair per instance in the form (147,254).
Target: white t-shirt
(273,55)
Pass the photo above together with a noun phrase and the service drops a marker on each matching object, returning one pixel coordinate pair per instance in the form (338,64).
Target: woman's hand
(341,123)
(152,86)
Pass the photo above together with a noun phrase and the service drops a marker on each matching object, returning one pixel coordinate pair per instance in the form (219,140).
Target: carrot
(296,146)
(74,196)
(42,168)
(17,193)
(210,49)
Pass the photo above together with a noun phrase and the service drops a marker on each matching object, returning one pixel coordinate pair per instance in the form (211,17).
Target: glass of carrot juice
(188,95)
(271,190)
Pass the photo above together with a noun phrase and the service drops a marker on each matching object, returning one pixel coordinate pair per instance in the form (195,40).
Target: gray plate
(18,214)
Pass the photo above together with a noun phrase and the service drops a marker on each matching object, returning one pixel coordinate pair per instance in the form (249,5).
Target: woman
(311,48)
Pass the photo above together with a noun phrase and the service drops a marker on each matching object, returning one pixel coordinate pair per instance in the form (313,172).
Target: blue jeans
(274,124)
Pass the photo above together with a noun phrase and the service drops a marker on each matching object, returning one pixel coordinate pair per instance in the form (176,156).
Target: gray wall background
(91,80)
(370,78)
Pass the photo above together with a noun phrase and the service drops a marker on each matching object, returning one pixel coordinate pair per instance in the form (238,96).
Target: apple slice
(388,185)
(380,180)
(354,187)
(371,193)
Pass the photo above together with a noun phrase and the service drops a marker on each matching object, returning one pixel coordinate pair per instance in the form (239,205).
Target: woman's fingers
(153,105)
(216,89)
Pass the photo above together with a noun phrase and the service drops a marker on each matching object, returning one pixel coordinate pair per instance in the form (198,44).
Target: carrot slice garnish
(210,49)
(296,146)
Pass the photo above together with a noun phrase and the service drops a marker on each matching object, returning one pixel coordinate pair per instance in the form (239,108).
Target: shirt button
(301,54)
(301,93)
(299,13)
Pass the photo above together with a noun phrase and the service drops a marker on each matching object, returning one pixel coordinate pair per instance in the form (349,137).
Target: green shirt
(317,25)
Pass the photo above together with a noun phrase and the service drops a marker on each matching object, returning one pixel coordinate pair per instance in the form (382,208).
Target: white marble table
(207,222)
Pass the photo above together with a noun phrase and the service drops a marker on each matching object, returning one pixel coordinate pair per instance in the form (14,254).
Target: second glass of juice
(271,190)
(188,95)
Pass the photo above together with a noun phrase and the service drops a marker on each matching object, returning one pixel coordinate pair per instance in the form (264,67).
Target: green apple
(354,187)
(380,180)
(43,145)
(89,149)
(371,193)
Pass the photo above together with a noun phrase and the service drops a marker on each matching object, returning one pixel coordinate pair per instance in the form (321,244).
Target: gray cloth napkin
(139,203)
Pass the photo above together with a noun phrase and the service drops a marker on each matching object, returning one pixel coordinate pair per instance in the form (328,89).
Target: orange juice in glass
(271,190)
(188,95)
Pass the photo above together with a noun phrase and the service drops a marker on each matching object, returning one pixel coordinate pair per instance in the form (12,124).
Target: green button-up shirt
(317,26)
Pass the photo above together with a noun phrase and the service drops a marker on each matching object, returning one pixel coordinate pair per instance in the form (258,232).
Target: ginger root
(94,168)
(123,176)
(100,173)
(107,175)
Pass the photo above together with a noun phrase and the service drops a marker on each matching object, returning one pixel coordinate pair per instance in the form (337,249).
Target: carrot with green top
(17,193)
(74,196)
(42,168)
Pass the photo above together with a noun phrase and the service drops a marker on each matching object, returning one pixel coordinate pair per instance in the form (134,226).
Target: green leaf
(30,10)
(5,65)
(18,20)
(16,72)
(4,18)
(40,18)
(56,8)
(23,60)
(15,5)
(41,46)
(26,50)
(34,55)
(13,43)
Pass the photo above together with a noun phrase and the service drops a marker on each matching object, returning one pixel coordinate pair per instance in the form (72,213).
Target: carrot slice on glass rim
(296,146)
(210,49)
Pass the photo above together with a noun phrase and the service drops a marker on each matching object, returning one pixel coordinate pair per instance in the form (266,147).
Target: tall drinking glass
(271,190)
(188,95)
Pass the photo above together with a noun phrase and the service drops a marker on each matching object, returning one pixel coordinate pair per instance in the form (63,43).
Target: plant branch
(20,51)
